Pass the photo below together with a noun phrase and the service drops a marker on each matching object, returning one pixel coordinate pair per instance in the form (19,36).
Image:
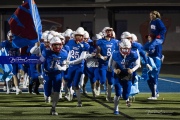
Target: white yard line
(169,80)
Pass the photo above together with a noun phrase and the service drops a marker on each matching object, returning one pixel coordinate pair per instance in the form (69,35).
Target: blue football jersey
(52,58)
(107,47)
(124,63)
(76,49)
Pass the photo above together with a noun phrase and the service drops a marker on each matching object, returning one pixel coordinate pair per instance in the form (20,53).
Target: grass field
(26,106)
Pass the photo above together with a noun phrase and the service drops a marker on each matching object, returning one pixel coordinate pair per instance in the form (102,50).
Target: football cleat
(157,95)
(8,91)
(13,89)
(4,88)
(79,104)
(116,112)
(128,103)
(53,112)
(18,91)
(152,98)
(109,99)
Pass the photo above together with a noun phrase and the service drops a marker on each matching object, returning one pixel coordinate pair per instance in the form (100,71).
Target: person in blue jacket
(157,26)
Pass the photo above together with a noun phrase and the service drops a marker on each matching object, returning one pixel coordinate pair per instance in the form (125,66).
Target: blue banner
(19,60)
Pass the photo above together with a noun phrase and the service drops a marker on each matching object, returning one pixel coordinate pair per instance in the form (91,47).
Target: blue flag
(25,25)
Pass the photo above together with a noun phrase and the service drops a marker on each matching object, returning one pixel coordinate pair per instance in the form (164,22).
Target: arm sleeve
(69,56)
(89,56)
(110,62)
(35,50)
(79,60)
(162,29)
(137,62)
(61,68)
(114,64)
(143,55)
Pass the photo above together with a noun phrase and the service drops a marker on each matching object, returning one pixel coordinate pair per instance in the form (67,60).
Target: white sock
(93,92)
(62,86)
(127,100)
(45,98)
(55,99)
(60,94)
(99,88)
(7,85)
(82,80)
(116,103)
(78,95)
(17,87)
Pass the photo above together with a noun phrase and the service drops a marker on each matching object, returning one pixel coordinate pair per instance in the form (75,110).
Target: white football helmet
(125,47)
(125,35)
(62,38)
(56,44)
(134,37)
(104,31)
(86,35)
(79,31)
(44,36)
(68,33)
(49,37)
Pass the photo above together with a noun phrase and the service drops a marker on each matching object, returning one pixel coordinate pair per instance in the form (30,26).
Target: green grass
(27,106)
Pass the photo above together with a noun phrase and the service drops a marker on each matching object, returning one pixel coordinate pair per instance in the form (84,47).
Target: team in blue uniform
(108,59)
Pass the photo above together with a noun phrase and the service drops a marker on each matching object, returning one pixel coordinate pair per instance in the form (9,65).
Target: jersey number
(74,54)
(108,51)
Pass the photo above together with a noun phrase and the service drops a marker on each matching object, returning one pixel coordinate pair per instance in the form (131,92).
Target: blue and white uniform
(76,65)
(123,64)
(155,53)
(107,47)
(52,75)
